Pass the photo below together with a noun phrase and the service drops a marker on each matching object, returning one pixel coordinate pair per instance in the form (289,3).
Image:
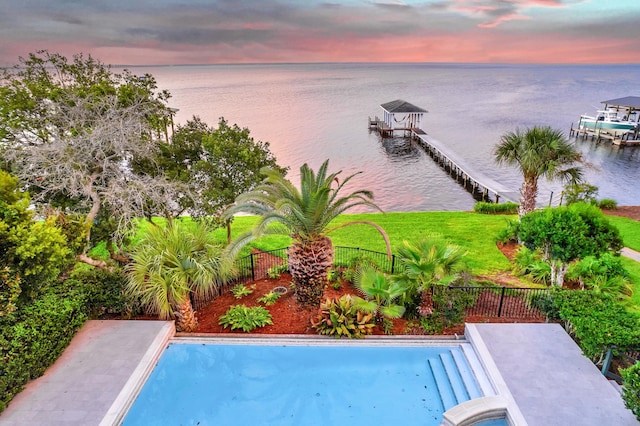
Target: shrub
(340,318)
(495,208)
(33,338)
(595,321)
(631,389)
(510,233)
(607,204)
(269,298)
(579,193)
(247,319)
(602,275)
(240,290)
(105,291)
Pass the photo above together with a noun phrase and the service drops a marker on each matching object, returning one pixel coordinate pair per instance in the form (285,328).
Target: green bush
(579,193)
(631,390)
(34,337)
(341,318)
(595,321)
(495,208)
(244,318)
(105,291)
(607,204)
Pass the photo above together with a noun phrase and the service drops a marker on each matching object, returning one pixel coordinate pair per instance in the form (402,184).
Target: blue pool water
(207,384)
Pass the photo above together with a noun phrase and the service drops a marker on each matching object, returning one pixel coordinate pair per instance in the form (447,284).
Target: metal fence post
(393,263)
(501,300)
(607,361)
(253,272)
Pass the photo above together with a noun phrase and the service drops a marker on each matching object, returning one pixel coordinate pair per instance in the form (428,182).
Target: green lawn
(629,229)
(475,232)
(460,228)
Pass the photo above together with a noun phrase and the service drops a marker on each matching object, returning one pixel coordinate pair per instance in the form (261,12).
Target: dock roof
(627,101)
(401,106)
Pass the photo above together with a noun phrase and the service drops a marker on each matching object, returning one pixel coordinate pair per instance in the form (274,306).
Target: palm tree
(170,264)
(424,263)
(381,293)
(305,216)
(538,151)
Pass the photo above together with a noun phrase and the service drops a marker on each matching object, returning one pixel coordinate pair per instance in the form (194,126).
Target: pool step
(447,396)
(469,379)
(455,380)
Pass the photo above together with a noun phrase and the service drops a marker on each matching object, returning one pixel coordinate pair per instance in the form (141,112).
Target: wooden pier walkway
(472,180)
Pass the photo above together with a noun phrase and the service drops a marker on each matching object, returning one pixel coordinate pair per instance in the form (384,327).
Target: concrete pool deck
(97,375)
(82,385)
(549,378)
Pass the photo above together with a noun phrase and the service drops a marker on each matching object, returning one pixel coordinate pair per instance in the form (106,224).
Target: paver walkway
(85,381)
(630,253)
(549,378)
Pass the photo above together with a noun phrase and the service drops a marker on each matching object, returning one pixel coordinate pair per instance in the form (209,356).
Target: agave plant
(305,216)
(381,294)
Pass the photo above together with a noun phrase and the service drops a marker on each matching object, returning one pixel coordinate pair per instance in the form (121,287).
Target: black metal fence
(505,302)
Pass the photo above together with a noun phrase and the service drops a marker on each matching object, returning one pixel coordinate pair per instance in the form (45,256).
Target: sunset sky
(137,32)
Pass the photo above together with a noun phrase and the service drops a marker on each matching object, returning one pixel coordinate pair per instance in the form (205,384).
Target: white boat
(608,121)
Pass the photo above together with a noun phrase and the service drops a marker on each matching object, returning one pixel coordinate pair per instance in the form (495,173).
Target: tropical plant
(538,152)
(604,274)
(170,264)
(305,215)
(240,290)
(244,318)
(342,318)
(426,262)
(381,294)
(269,298)
(358,262)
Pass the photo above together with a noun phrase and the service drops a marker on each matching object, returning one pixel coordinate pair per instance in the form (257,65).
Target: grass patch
(629,230)
(633,268)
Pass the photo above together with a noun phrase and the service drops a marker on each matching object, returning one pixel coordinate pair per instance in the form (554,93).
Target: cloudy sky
(137,32)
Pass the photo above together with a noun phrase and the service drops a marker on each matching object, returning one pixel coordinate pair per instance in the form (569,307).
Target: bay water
(313,112)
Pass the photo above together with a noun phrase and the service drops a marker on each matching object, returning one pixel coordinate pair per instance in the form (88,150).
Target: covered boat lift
(398,115)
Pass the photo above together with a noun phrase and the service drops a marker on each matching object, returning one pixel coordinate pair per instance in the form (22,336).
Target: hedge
(495,208)
(33,338)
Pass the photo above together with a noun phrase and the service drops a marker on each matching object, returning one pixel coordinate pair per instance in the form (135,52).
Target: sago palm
(169,264)
(537,152)
(304,215)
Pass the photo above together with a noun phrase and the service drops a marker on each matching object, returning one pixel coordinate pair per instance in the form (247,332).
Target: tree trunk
(185,317)
(558,271)
(100,264)
(228,225)
(309,264)
(528,194)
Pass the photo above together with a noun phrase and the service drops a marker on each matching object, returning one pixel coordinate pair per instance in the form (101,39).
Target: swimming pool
(232,384)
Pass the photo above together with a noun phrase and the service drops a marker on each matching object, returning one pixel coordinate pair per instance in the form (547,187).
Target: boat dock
(600,135)
(401,116)
(472,180)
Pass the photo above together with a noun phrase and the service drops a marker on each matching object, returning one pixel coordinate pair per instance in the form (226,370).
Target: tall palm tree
(539,151)
(305,216)
(169,264)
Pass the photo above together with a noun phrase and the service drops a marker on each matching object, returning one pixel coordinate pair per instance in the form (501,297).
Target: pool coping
(130,390)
